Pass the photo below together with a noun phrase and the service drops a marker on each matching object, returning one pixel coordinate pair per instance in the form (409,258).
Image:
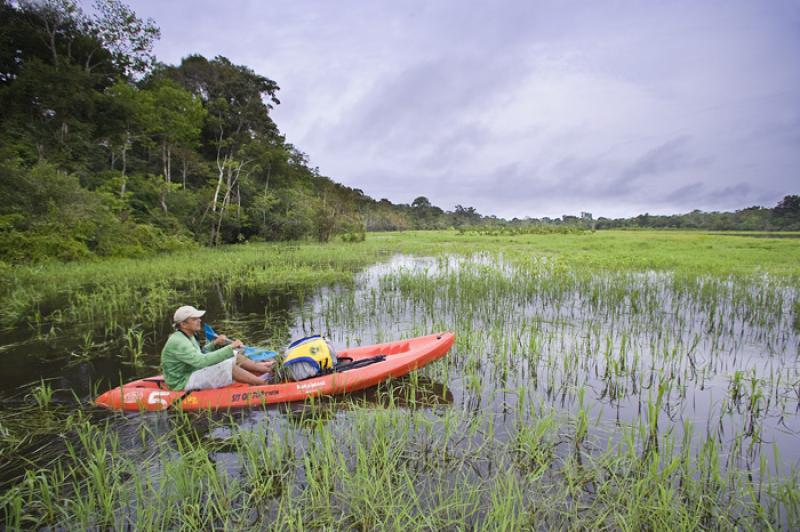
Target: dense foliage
(106,152)
(103,151)
(785,216)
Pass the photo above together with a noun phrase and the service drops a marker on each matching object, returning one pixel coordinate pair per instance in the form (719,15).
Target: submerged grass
(608,380)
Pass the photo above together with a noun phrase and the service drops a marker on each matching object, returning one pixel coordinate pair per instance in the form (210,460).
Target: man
(188,367)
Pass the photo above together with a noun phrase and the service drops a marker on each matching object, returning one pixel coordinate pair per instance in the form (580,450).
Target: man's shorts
(216,376)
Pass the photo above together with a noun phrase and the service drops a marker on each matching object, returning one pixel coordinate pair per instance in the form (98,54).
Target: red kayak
(394,359)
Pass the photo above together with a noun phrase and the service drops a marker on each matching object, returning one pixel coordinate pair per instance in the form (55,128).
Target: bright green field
(622,380)
(260,265)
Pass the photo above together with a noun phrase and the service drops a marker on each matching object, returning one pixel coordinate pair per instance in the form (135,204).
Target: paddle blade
(257,354)
(210,333)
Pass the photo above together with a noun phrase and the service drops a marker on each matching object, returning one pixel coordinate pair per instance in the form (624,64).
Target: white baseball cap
(185,312)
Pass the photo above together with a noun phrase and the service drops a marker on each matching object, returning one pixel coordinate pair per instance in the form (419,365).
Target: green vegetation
(104,152)
(785,216)
(387,468)
(107,153)
(599,380)
(105,295)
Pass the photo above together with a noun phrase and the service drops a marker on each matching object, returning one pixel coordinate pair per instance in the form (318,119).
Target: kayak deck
(401,358)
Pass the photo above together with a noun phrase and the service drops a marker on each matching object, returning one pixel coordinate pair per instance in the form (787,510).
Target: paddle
(256,354)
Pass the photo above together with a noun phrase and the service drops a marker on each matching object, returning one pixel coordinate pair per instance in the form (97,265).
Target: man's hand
(220,340)
(236,344)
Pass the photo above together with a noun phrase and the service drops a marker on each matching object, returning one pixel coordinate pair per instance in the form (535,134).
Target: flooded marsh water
(574,397)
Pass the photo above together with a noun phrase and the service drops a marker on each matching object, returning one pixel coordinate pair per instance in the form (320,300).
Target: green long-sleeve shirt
(182,356)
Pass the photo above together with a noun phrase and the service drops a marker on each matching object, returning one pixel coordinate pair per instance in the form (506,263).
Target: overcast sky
(524,108)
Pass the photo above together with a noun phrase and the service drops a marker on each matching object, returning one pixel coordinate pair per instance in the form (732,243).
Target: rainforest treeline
(104,151)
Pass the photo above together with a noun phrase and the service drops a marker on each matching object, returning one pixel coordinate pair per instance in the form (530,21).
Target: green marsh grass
(42,394)
(608,380)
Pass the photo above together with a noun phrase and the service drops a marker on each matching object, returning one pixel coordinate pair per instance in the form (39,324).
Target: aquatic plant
(606,380)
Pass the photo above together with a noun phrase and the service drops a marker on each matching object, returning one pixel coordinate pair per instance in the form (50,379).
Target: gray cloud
(665,158)
(685,195)
(525,108)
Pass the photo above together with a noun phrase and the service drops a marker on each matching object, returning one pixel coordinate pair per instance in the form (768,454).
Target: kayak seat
(346,366)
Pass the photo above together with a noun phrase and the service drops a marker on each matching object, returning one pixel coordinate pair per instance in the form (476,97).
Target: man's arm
(218,342)
(188,354)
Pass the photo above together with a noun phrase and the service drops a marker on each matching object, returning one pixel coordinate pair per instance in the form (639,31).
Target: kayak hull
(402,357)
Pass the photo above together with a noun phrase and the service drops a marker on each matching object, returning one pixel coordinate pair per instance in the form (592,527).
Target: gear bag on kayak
(308,357)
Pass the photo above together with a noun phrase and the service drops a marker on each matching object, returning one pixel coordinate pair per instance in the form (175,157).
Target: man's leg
(253,366)
(242,375)
(244,367)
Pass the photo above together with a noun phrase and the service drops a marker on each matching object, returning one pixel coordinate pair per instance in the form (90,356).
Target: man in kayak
(188,367)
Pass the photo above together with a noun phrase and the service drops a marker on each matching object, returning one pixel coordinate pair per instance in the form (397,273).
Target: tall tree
(59,23)
(129,116)
(421,203)
(114,41)
(180,118)
(787,211)
(237,116)
(49,114)
(128,38)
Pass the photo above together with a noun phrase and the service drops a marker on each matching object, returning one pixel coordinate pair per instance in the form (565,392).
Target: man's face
(193,324)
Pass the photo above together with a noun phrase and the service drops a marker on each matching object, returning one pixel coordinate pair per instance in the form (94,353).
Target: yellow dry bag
(308,357)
